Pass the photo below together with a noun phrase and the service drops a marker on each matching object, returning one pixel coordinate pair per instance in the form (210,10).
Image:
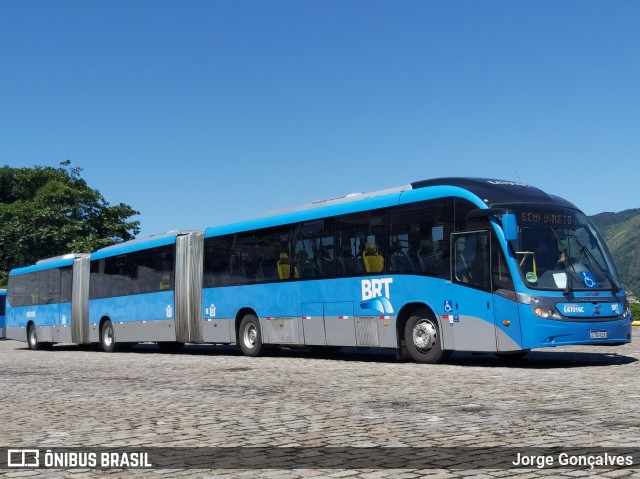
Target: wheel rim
(32,336)
(250,336)
(424,336)
(107,337)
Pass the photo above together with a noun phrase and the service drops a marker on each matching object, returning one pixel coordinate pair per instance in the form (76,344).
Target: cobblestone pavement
(206,396)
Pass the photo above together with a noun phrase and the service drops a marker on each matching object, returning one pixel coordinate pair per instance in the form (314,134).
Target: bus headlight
(541,312)
(545,313)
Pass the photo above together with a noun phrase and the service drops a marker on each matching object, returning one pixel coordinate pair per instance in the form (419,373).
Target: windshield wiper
(583,249)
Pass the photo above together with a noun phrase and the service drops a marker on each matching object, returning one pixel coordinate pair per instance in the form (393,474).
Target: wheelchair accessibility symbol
(448,308)
(588,279)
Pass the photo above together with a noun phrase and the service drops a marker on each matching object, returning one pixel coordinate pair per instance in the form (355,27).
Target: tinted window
(361,243)
(314,249)
(220,269)
(272,257)
(462,208)
(139,272)
(40,287)
(471,261)
(500,274)
(419,237)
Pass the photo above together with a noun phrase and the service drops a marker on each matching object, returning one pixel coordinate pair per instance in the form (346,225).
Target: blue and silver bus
(46,302)
(452,264)
(3,296)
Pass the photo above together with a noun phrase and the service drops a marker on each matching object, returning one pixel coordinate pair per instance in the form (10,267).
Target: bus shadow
(533,360)
(543,360)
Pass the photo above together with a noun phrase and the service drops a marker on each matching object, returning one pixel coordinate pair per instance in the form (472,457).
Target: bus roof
(138,244)
(481,191)
(494,192)
(49,263)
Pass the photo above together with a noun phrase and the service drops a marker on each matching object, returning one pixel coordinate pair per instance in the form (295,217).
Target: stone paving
(206,396)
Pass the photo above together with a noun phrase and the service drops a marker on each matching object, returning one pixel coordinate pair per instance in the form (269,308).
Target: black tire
(422,339)
(107,337)
(250,336)
(32,338)
(170,346)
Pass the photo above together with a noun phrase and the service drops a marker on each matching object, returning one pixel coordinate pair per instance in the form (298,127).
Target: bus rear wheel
(32,338)
(250,336)
(422,339)
(107,337)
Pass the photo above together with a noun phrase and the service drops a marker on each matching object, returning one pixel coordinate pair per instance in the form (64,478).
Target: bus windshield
(560,249)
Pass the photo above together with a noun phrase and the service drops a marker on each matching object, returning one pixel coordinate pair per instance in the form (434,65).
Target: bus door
(506,314)
(468,319)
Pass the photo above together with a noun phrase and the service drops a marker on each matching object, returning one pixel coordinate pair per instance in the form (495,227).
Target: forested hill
(622,234)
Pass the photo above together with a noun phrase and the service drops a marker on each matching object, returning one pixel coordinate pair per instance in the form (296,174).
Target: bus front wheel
(107,337)
(422,339)
(250,336)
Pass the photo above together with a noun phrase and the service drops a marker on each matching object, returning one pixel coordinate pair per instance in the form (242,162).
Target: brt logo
(373,296)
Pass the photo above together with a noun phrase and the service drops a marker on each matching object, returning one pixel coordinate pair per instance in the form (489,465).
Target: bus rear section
(46,302)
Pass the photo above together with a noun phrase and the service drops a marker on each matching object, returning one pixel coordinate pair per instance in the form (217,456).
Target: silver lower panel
(45,334)
(282,331)
(138,331)
(218,331)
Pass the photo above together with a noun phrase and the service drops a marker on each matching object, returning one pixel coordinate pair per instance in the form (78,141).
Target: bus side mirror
(509,227)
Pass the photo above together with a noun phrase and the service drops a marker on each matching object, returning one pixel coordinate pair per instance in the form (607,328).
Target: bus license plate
(598,334)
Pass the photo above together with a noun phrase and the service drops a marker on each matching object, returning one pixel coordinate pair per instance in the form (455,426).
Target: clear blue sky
(200,113)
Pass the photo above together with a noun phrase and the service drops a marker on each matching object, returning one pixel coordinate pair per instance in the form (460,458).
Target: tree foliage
(46,211)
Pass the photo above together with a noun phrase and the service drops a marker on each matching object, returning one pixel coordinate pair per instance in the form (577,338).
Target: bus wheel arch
(32,337)
(239,317)
(419,334)
(249,333)
(107,338)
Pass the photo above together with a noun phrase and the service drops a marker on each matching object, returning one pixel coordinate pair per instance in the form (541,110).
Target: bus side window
(314,250)
(501,276)
(361,242)
(471,259)
(272,253)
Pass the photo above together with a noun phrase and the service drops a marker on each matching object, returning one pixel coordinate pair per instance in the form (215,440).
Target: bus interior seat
(284,266)
(372,259)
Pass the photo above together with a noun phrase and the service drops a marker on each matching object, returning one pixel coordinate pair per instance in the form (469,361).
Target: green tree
(46,211)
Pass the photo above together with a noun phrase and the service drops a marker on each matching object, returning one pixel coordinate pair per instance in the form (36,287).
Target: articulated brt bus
(453,264)
(3,296)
